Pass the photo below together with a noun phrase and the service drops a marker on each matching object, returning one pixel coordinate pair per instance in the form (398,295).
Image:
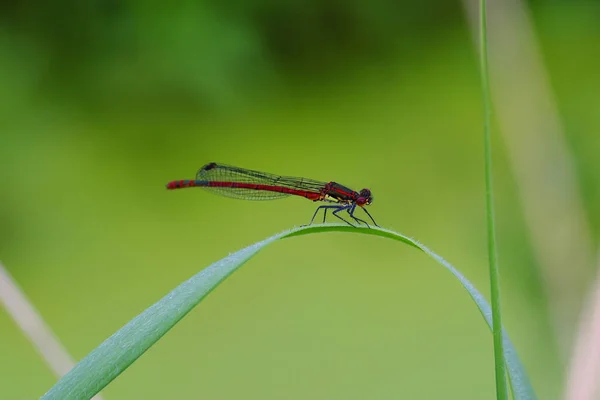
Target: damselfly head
(364,198)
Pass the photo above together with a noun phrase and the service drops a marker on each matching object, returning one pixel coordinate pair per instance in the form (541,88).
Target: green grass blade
(120,350)
(499,363)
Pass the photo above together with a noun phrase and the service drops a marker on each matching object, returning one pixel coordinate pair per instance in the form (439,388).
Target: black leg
(375,223)
(342,208)
(351,212)
(315,214)
(324,207)
(359,220)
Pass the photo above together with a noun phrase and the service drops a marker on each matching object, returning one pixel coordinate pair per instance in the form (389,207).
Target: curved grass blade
(120,350)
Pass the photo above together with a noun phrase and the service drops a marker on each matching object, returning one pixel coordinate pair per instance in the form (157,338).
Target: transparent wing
(214,172)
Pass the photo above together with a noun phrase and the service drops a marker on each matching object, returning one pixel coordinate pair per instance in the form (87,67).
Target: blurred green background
(104,102)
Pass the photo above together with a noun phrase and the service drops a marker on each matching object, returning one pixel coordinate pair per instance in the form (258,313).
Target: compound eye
(364,198)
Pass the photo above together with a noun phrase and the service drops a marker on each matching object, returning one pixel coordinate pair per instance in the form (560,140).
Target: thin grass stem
(500,366)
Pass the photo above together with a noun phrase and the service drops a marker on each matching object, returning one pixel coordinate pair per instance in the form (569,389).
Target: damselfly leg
(325,208)
(365,210)
(343,208)
(351,213)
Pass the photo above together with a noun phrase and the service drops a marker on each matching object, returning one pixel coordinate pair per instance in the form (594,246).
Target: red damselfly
(247,184)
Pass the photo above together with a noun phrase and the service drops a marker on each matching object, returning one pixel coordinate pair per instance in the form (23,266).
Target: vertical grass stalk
(500,367)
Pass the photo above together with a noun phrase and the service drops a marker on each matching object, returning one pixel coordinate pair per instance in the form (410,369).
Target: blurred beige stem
(33,326)
(541,161)
(584,371)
